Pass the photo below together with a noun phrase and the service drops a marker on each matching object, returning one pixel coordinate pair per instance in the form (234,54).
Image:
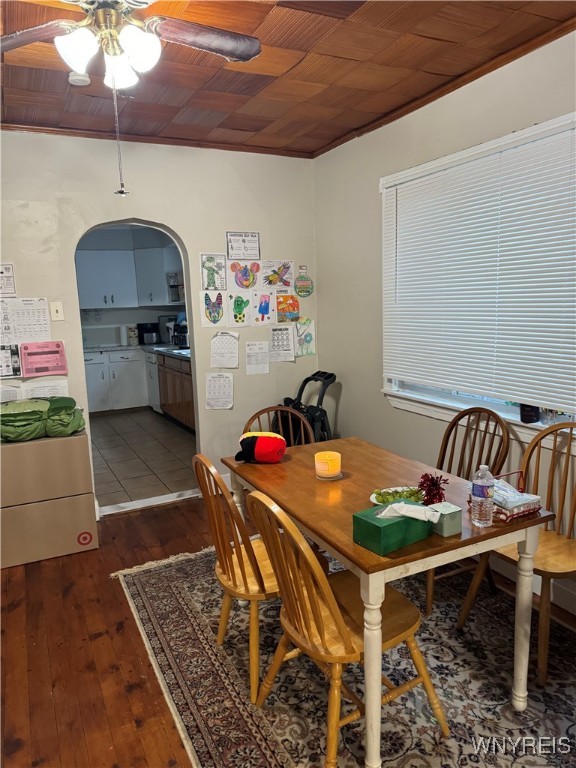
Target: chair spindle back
(229,533)
(310,607)
(288,422)
(474,436)
(549,470)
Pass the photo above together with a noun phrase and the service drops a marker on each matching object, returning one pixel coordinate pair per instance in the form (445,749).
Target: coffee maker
(166,323)
(181,337)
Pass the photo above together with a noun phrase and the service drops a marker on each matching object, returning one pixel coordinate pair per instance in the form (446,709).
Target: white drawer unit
(115,380)
(125,356)
(93,358)
(127,379)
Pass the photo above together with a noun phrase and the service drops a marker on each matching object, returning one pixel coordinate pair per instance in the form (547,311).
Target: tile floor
(140,454)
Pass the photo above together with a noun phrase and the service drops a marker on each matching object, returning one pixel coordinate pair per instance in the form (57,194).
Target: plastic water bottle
(482,497)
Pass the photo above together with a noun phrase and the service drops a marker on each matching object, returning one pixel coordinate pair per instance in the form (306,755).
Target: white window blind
(479,270)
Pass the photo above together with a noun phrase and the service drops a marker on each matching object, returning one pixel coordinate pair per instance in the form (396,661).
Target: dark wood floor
(78,689)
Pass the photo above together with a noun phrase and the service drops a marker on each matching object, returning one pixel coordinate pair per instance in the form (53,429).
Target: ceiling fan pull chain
(122,191)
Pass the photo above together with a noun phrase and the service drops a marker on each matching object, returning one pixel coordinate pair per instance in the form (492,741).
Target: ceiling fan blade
(232,45)
(37,34)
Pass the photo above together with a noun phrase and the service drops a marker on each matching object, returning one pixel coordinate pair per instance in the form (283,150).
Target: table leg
(525,570)
(238,493)
(372,591)
(238,496)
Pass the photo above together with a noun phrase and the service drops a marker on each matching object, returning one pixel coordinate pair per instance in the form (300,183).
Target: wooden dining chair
(288,422)
(474,436)
(322,616)
(295,429)
(547,469)
(242,564)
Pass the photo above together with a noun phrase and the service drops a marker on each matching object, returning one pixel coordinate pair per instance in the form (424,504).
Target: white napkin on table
(400,509)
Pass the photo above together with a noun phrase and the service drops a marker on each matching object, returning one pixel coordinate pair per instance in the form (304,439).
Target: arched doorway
(131,288)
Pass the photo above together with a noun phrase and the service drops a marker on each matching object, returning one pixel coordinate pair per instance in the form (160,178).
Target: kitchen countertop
(111,348)
(169,350)
(163,349)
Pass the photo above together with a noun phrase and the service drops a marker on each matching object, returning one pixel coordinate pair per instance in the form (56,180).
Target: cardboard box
(48,505)
(45,529)
(49,468)
(384,535)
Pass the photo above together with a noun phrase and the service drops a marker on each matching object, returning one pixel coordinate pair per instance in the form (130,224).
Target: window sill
(444,410)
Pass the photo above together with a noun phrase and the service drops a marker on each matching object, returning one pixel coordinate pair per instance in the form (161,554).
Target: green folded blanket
(23,420)
(31,419)
(64,418)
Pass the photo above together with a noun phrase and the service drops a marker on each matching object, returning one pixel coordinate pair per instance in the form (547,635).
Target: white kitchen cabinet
(152,266)
(97,381)
(152,382)
(128,387)
(115,380)
(106,279)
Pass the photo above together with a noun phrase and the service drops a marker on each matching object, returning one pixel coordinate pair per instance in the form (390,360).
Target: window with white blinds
(479,271)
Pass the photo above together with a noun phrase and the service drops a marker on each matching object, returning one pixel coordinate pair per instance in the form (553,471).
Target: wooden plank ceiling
(328,72)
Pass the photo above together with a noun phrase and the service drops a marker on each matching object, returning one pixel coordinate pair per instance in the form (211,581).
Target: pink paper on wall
(43,358)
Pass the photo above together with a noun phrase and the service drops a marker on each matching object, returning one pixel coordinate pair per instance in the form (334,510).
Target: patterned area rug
(177,604)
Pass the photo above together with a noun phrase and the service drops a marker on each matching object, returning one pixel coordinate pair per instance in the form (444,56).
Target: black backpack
(314,414)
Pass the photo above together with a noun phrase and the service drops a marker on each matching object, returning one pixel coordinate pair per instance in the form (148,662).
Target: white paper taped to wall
(27,390)
(219,391)
(8,394)
(224,350)
(24,320)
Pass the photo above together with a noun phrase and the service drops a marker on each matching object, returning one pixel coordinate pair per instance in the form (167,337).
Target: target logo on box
(84,538)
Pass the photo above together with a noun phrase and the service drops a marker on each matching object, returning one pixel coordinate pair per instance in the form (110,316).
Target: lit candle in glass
(327,464)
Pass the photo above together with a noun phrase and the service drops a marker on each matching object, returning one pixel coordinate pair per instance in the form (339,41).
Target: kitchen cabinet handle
(102,375)
(113,374)
(150,296)
(124,357)
(105,299)
(112,298)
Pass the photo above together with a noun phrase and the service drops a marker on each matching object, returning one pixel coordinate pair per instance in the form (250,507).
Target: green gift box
(383,535)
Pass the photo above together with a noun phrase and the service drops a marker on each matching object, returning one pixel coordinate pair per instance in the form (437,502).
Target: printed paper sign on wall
(278,274)
(305,337)
(287,308)
(243,245)
(213,308)
(243,275)
(213,268)
(239,308)
(263,307)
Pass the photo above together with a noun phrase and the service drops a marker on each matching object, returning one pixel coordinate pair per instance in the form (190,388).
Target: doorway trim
(184,259)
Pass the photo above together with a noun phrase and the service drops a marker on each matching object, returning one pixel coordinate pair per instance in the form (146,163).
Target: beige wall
(538,87)
(533,89)
(324,213)
(55,188)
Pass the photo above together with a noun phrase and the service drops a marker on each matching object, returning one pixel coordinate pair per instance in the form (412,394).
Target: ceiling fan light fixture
(143,48)
(119,73)
(79,78)
(77,48)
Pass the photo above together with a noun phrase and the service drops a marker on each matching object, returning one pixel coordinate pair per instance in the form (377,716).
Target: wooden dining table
(323,510)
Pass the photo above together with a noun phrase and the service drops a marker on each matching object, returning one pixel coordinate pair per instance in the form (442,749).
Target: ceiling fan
(129,44)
